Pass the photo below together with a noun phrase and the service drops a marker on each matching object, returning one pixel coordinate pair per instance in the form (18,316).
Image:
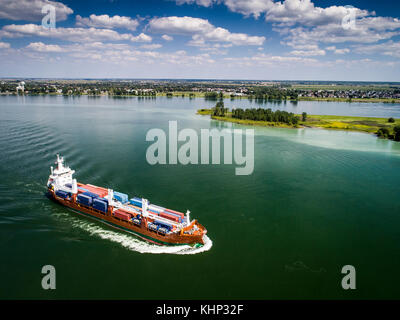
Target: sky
(201,39)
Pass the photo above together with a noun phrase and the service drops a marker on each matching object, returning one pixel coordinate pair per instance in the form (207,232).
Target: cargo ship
(135,215)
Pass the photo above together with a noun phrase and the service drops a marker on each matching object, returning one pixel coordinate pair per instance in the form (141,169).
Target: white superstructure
(61,177)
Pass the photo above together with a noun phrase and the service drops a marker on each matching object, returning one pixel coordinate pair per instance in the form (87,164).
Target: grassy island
(382,127)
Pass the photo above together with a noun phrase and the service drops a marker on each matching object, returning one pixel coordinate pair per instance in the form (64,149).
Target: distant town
(209,89)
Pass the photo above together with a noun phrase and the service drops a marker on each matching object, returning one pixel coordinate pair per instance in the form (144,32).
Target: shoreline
(330,122)
(189,94)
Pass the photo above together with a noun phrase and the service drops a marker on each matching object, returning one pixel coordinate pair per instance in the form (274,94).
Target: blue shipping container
(122,197)
(100,205)
(90,194)
(62,194)
(136,202)
(85,200)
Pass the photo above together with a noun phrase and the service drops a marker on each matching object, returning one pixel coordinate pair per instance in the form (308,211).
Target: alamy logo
(49,280)
(349,20)
(188,152)
(349,280)
(49,20)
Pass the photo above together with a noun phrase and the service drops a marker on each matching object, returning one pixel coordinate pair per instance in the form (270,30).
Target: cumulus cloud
(245,7)
(338,51)
(204,3)
(4,45)
(71,34)
(31,10)
(105,21)
(167,37)
(309,53)
(262,59)
(41,47)
(302,23)
(151,46)
(388,48)
(201,30)
(304,12)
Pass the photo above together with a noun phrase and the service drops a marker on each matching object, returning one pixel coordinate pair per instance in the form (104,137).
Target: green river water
(316,201)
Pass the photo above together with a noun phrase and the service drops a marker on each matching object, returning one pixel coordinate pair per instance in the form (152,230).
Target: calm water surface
(317,200)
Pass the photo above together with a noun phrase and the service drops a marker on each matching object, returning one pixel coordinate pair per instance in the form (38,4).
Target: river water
(316,201)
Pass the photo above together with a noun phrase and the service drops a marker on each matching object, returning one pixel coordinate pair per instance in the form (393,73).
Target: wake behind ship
(136,215)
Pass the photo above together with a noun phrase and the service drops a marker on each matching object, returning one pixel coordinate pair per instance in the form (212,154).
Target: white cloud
(31,10)
(245,7)
(71,34)
(303,23)
(105,21)
(118,54)
(304,12)
(141,38)
(308,53)
(262,59)
(201,30)
(180,25)
(249,7)
(204,3)
(151,46)
(342,51)
(167,37)
(388,48)
(41,47)
(4,45)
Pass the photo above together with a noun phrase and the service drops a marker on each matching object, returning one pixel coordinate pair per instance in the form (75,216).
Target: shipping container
(155,208)
(175,212)
(85,200)
(100,205)
(122,214)
(62,194)
(90,194)
(101,192)
(81,190)
(169,216)
(136,202)
(122,197)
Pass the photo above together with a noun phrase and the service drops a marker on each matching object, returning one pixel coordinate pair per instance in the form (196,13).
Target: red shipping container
(122,214)
(168,216)
(176,212)
(101,192)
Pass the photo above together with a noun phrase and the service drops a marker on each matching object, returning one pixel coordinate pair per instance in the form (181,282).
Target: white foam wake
(132,243)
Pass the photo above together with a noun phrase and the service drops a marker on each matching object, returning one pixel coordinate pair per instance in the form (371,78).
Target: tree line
(266,115)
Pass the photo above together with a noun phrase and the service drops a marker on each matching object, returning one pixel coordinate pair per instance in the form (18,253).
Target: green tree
(304,116)
(391,120)
(396,130)
(383,132)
